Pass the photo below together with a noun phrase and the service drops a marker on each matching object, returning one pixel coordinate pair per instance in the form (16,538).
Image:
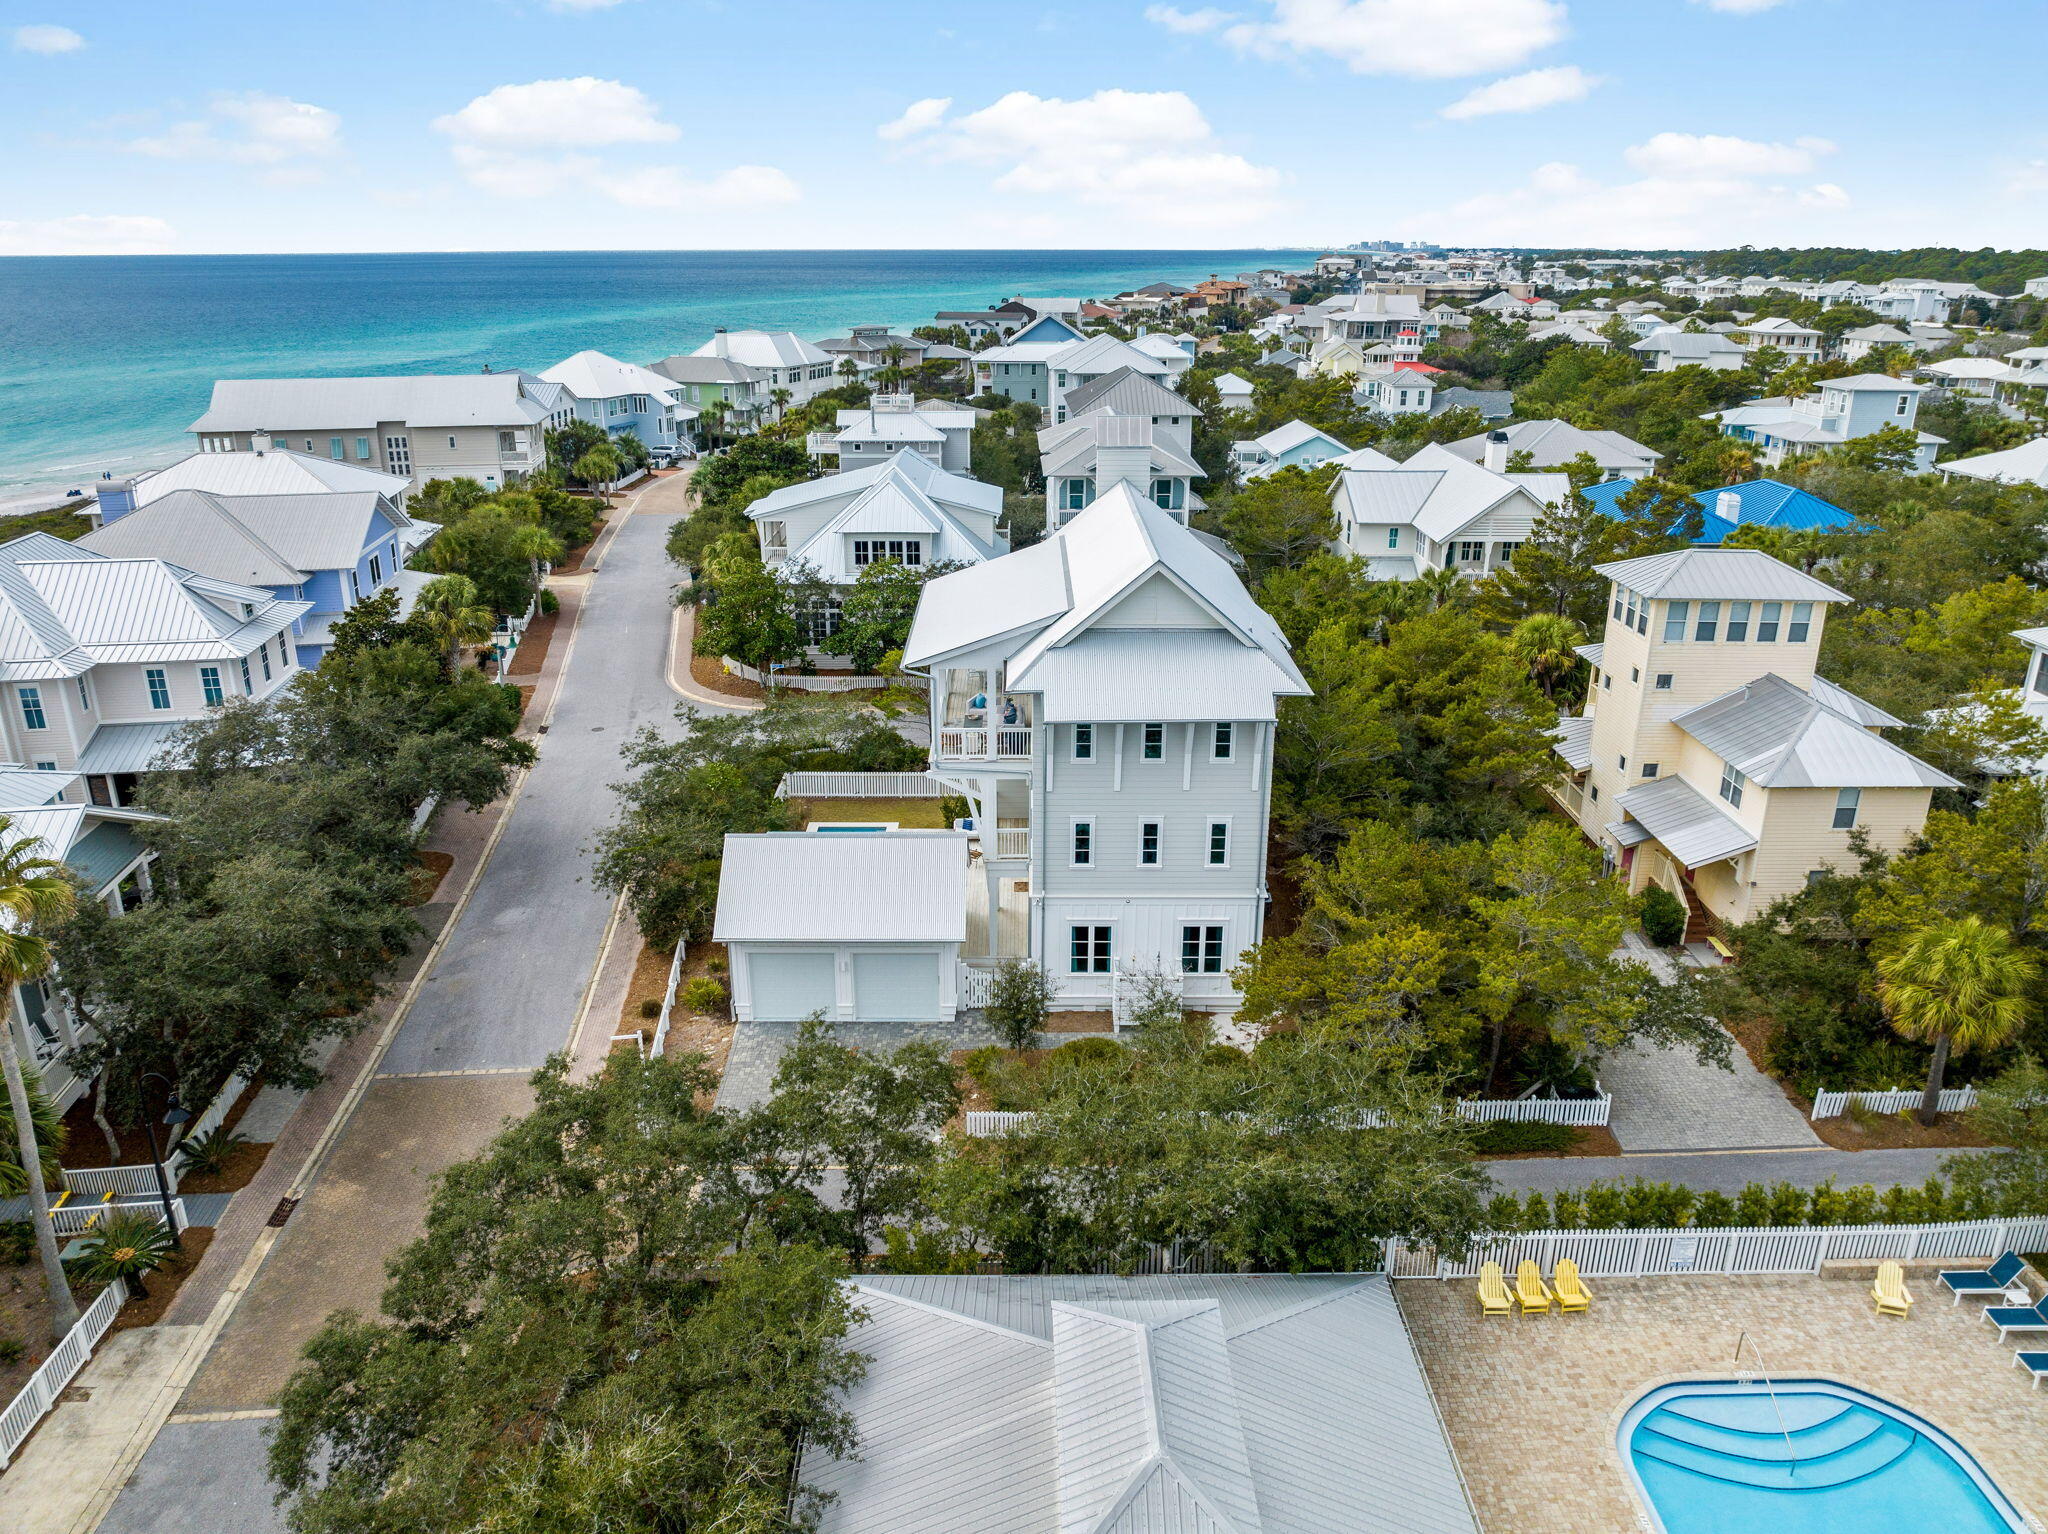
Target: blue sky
(523,124)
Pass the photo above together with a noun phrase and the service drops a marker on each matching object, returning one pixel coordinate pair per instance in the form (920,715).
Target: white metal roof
(1713,573)
(1234,1404)
(1072,446)
(1780,736)
(258,540)
(341,404)
(1170,675)
(1293,434)
(821,887)
(1435,491)
(1127,392)
(2026,464)
(1574,741)
(593,375)
(1550,443)
(1843,701)
(1106,354)
(1691,827)
(765,349)
(273,472)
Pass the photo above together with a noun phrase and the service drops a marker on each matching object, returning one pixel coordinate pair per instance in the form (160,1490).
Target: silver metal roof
(1693,829)
(1714,574)
(128,747)
(258,540)
(1843,701)
(322,404)
(275,471)
(1227,1404)
(1575,741)
(1127,392)
(1780,736)
(1551,443)
(798,886)
(1170,675)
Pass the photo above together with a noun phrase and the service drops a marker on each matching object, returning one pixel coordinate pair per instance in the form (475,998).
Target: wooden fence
(1831,1105)
(57,1371)
(1762,1249)
(858,785)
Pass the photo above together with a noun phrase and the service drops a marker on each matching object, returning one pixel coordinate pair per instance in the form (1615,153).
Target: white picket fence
(983,1123)
(74,1219)
(668,1000)
(858,785)
(1582,1112)
(57,1371)
(1832,1105)
(1767,1249)
(977,985)
(95,1182)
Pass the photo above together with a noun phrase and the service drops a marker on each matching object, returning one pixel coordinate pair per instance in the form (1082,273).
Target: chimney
(260,441)
(718,342)
(1728,506)
(115,498)
(1496,457)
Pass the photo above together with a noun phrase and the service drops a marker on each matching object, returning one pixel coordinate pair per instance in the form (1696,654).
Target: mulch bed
(25,1318)
(243,1163)
(526,696)
(708,673)
(430,869)
(532,653)
(1874,1131)
(688,1033)
(165,1282)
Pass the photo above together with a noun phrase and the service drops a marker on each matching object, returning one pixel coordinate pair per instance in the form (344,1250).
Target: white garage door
(789,987)
(896,987)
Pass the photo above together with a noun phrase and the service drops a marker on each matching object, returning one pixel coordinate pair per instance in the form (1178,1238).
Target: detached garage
(859,927)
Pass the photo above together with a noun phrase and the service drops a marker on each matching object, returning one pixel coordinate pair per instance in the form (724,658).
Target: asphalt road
(505,990)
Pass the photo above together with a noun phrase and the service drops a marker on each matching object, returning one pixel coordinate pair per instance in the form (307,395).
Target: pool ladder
(1763,1373)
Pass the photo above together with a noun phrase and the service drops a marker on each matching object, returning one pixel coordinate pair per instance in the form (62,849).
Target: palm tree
(1442,588)
(49,1129)
(848,370)
(715,413)
(539,547)
(453,608)
(33,893)
(124,1245)
(599,467)
(780,398)
(1958,983)
(1547,644)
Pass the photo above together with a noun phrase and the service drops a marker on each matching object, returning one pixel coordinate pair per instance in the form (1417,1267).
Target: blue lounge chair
(2018,1318)
(2000,1276)
(2035,1364)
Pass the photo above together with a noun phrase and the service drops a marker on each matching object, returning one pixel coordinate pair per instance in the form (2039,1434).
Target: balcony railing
(981,744)
(1013,842)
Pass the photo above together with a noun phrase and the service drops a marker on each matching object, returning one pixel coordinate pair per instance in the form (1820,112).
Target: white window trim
(1159,825)
(1228,742)
(1091,926)
(1209,825)
(1073,834)
(1077,754)
(1143,754)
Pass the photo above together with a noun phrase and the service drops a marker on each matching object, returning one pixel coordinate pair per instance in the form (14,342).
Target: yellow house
(1710,758)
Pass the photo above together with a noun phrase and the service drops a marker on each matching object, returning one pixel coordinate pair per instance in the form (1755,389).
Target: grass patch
(910,814)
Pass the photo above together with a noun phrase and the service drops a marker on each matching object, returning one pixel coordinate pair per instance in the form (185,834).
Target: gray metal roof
(1227,1404)
(127,747)
(1693,829)
(707,370)
(1558,442)
(1071,447)
(258,540)
(320,404)
(1127,392)
(275,471)
(1714,574)
(1843,701)
(797,886)
(1170,675)
(1781,736)
(1574,741)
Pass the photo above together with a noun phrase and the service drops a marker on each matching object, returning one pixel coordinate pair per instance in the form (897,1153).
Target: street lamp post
(174,1115)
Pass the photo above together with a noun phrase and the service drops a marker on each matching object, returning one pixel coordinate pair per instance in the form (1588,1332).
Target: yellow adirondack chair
(1531,1290)
(1889,1292)
(1572,1293)
(1494,1299)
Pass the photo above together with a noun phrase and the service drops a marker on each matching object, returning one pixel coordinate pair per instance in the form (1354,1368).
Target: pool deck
(1533,1404)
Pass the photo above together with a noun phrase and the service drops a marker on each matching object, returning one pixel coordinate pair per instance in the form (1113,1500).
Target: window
(1084,844)
(1593,792)
(159,687)
(1084,742)
(1607,681)
(1201,950)
(1471,553)
(1628,616)
(451,441)
(1088,950)
(905,551)
(376,570)
(1663,681)
(1619,608)
(46,766)
(1219,844)
(1166,494)
(1675,614)
(508,442)
(1222,742)
(209,684)
(1621,764)
(336,448)
(284,656)
(398,454)
(775,537)
(1155,742)
(1767,623)
(1073,494)
(1507,552)
(1847,802)
(1148,844)
(1649,769)
(820,620)
(1815,876)
(363,447)
(1635,673)
(1710,620)
(1738,622)
(246,688)
(1732,784)
(1904,405)
(263,654)
(1802,622)
(32,709)
(1393,537)
(84,694)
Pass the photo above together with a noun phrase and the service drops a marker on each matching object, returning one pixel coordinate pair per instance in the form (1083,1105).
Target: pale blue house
(1296,445)
(625,399)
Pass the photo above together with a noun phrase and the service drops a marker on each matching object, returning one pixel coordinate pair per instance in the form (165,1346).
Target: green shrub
(1091,1052)
(705,995)
(1663,917)
(1713,1211)
(1224,1054)
(549,602)
(11,1349)
(17,1242)
(1507,1136)
(208,1154)
(715,963)
(1019,999)
(650,1006)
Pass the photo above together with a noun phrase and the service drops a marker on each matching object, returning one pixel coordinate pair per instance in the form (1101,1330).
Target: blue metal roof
(1766,502)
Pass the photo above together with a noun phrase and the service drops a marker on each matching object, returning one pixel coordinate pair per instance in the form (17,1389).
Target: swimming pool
(1712,1458)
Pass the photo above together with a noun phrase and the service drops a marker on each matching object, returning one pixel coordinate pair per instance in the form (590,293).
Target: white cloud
(2028,178)
(86,234)
(582,113)
(522,141)
(1740,7)
(1708,155)
(1428,39)
(252,128)
(1188,23)
(1524,93)
(1693,190)
(46,39)
(1150,154)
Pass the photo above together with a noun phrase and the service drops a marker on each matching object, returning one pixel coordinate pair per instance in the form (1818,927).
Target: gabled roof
(593,375)
(1558,442)
(259,540)
(1230,383)
(764,349)
(1126,391)
(939,484)
(906,494)
(793,886)
(1710,574)
(698,369)
(2026,464)
(1106,354)
(1072,446)
(1683,344)
(1435,492)
(1691,827)
(1780,736)
(343,404)
(1293,434)
(272,472)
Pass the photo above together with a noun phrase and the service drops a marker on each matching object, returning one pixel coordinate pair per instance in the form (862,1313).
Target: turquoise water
(104,361)
(1714,1459)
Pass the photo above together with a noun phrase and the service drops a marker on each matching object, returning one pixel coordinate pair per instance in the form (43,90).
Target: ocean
(106,360)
